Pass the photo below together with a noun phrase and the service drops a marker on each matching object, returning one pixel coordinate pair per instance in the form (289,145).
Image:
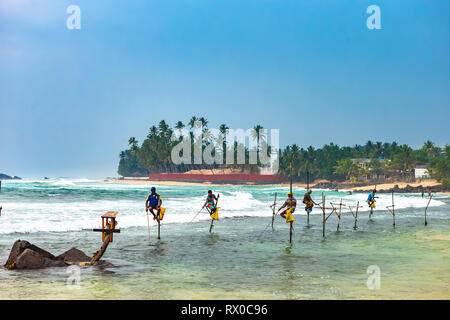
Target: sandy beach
(425,183)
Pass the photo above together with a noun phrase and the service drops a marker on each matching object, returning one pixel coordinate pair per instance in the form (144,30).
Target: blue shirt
(370,196)
(153,199)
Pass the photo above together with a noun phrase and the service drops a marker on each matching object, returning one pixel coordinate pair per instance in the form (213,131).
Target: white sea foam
(81,210)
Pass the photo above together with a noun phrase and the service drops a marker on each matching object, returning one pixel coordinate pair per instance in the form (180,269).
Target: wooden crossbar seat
(110,214)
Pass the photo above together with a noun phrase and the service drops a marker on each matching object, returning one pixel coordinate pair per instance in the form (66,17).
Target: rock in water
(73,256)
(24,255)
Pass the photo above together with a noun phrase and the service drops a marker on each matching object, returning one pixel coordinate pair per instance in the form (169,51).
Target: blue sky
(70,99)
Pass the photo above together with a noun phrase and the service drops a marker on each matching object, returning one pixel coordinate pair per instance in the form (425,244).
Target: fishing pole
(273,206)
(196,214)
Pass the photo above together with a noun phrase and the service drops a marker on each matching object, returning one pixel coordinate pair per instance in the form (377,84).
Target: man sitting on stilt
(308,201)
(153,202)
(290,204)
(211,202)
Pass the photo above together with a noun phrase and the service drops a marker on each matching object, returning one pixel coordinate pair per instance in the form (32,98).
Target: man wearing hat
(290,203)
(153,202)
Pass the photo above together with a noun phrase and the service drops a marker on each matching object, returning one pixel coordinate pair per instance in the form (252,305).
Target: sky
(70,99)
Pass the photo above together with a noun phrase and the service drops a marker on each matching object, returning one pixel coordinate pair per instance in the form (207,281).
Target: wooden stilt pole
(159,227)
(340,204)
(355,215)
(429,200)
(325,218)
(291,229)
(323,211)
(339,215)
(307,189)
(148,225)
(290,190)
(392,210)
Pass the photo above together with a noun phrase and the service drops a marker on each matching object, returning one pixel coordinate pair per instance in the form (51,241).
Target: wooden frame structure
(325,217)
(355,214)
(391,209)
(108,229)
(340,204)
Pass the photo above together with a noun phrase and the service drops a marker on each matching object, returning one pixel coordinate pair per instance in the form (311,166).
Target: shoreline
(347,187)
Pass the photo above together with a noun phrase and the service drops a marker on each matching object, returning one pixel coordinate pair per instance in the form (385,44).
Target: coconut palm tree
(179,126)
(133,143)
(223,128)
(192,121)
(204,122)
(430,148)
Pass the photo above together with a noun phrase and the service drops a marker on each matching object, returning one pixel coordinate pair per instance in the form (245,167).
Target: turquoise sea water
(242,258)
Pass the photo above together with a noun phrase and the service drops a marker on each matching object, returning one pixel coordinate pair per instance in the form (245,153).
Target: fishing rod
(273,206)
(196,214)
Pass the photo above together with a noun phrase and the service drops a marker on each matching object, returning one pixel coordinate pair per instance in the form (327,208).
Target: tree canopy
(330,162)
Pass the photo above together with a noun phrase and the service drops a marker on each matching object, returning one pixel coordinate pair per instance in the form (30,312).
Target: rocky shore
(25,255)
(408,189)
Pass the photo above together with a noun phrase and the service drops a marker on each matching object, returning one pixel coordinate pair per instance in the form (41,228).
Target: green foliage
(347,168)
(154,155)
(446,183)
(440,168)
(330,162)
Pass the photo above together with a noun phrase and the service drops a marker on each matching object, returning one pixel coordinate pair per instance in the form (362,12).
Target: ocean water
(243,258)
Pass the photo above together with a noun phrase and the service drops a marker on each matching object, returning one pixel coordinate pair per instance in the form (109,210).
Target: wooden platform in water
(110,214)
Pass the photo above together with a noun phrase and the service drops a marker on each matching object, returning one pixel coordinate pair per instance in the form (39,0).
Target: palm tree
(347,168)
(404,160)
(430,148)
(204,122)
(192,121)
(179,126)
(223,128)
(377,167)
(368,148)
(256,133)
(133,143)
(378,149)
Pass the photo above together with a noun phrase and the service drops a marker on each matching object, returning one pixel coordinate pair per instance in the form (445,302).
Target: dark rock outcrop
(30,259)
(25,255)
(73,255)
(326,185)
(6,177)
(408,189)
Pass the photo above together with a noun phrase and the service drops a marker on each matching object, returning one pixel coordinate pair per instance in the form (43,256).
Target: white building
(421,172)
